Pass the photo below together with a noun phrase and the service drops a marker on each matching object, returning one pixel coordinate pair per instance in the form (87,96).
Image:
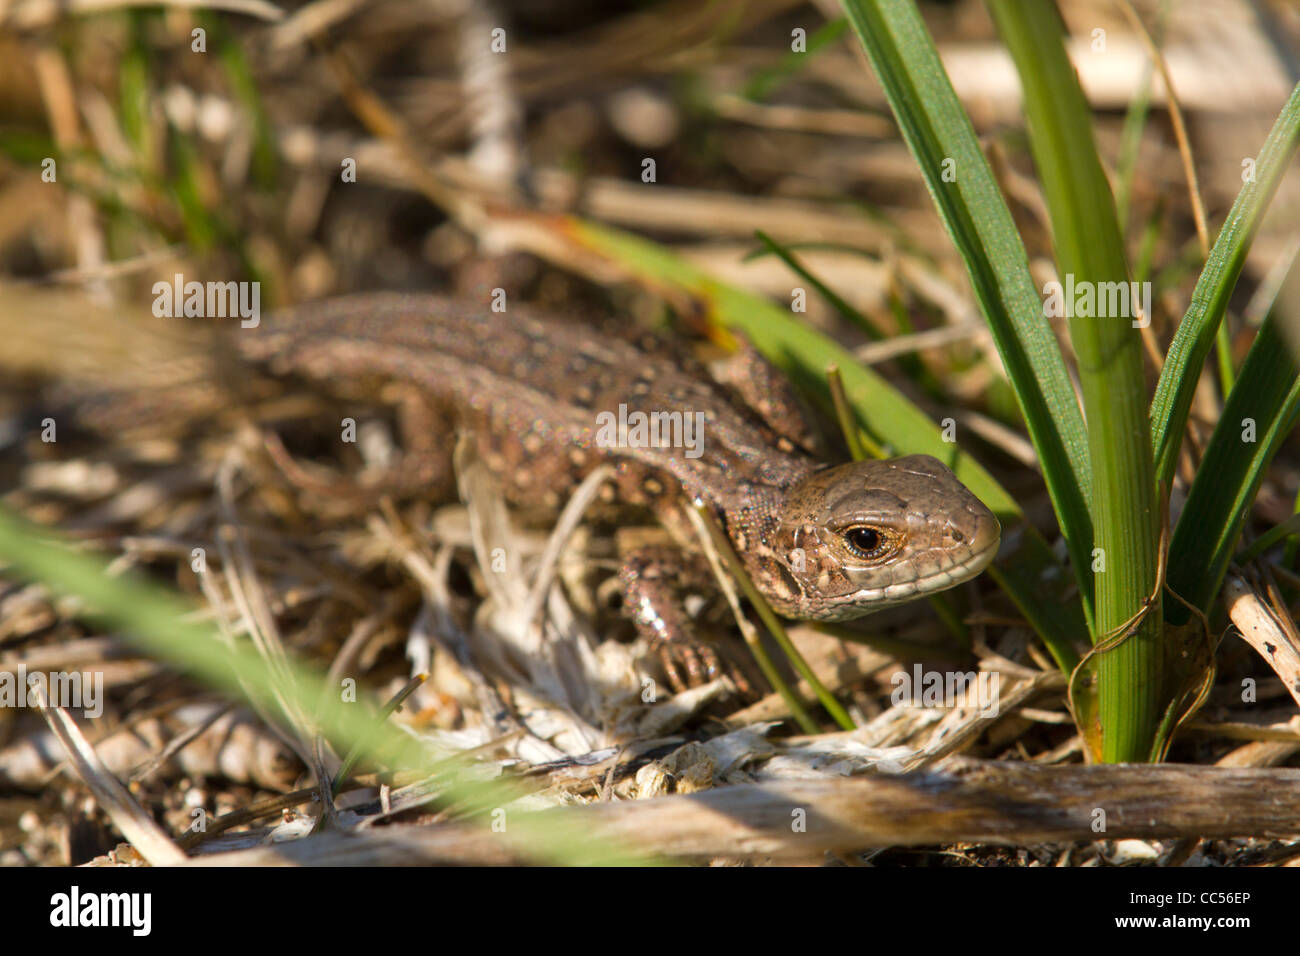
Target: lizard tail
(64,334)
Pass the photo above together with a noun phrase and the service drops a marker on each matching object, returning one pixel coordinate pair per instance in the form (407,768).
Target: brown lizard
(539,394)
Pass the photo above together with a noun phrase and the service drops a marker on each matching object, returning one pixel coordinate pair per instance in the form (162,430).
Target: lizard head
(858,537)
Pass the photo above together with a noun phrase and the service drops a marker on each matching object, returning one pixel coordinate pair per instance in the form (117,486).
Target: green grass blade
(768,81)
(1090,248)
(1266,393)
(833,298)
(940,136)
(1196,333)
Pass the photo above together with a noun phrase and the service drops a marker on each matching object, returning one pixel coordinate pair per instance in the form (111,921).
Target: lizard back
(546,394)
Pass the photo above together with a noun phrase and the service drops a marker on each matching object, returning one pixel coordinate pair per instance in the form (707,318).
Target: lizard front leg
(651,582)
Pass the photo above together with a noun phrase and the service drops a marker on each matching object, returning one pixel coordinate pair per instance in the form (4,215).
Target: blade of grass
(910,365)
(1135,121)
(940,136)
(1196,333)
(766,82)
(1287,529)
(239,74)
(835,300)
(1090,249)
(354,755)
(858,448)
(1267,393)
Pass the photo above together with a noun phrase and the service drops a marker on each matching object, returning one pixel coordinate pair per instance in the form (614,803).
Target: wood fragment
(975,801)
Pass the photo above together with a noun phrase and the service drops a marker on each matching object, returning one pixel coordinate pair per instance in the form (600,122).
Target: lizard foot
(701,664)
(649,582)
(699,661)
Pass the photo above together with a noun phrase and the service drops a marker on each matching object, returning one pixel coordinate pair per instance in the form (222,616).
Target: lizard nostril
(958,536)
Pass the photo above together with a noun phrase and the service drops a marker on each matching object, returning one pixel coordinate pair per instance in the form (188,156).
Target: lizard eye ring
(866,542)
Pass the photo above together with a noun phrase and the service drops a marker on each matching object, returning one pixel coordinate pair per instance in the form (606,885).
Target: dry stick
(548,563)
(40,13)
(128,816)
(311,20)
(481,208)
(396,778)
(116,269)
(1261,630)
(352,646)
(1263,753)
(1152,346)
(1006,440)
(272,805)
(254,811)
(1273,594)
(388,709)
(971,802)
(431,578)
(1257,753)
(387,126)
(239,569)
(246,590)
(850,663)
(1021,692)
(1231,730)
(876,352)
(179,743)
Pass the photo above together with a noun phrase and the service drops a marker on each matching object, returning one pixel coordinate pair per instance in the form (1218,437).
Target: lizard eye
(864,542)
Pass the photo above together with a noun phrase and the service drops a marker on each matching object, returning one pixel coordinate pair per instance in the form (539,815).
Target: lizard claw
(701,665)
(700,662)
(668,658)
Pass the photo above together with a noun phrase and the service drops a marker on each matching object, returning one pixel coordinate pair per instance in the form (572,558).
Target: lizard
(821,541)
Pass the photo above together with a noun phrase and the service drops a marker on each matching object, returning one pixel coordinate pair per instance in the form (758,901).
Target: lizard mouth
(974,563)
(962,571)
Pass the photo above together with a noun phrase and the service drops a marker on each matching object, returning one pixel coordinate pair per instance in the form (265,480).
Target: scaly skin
(820,543)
